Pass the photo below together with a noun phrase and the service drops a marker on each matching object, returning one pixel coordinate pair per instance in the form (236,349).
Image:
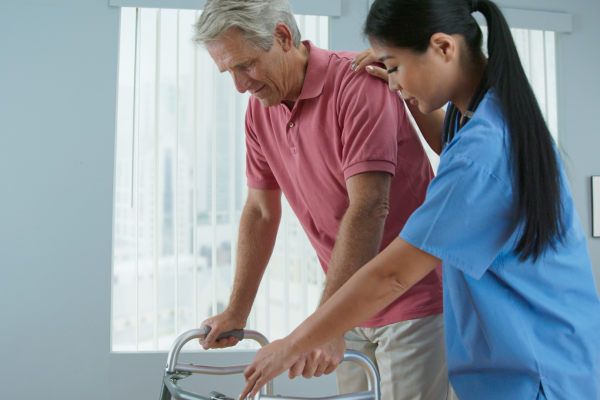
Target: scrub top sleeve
(258,172)
(466,218)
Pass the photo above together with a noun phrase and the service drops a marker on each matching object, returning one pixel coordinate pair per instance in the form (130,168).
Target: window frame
(325,8)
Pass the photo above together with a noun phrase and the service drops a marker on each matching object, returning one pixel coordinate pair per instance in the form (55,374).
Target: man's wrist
(240,316)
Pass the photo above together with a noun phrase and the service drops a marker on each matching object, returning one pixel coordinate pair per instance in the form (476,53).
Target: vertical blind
(180,187)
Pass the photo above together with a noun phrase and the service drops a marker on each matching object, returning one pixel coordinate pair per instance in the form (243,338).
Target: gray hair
(256,19)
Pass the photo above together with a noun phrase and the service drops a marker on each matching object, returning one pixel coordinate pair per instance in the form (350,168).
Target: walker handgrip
(236,333)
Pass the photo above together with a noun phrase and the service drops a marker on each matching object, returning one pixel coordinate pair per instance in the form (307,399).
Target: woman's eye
(389,71)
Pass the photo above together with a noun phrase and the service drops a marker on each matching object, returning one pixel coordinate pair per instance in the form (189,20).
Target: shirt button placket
(292,139)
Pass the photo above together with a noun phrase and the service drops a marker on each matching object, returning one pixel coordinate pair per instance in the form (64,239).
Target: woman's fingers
(250,383)
(253,384)
(260,382)
(357,60)
(251,374)
(378,72)
(269,362)
(366,61)
(363,59)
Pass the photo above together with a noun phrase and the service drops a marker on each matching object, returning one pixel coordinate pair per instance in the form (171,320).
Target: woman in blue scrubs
(522,313)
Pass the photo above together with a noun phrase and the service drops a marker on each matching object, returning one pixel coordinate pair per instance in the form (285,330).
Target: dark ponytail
(536,182)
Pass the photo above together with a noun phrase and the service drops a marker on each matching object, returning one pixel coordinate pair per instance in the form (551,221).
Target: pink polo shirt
(344,123)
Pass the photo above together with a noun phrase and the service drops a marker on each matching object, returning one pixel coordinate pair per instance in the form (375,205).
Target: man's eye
(389,71)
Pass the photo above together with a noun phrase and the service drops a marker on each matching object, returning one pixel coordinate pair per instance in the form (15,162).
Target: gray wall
(58,81)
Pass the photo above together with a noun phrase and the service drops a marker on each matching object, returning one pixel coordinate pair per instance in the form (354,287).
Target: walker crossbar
(351,396)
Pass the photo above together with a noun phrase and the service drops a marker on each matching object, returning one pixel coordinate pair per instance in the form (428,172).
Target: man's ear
(283,36)
(444,46)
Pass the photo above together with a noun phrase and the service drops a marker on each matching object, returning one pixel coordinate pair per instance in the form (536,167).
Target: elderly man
(341,148)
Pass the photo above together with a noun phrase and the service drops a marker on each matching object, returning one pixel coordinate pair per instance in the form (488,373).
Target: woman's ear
(444,46)
(283,35)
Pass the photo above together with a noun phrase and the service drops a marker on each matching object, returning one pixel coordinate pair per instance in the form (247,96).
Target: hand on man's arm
(258,229)
(358,241)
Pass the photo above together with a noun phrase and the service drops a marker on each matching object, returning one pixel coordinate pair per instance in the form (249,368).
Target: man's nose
(241,82)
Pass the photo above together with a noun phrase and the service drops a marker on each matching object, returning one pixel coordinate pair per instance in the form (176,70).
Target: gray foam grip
(237,333)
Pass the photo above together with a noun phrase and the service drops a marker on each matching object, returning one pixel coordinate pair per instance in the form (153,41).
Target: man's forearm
(358,241)
(256,241)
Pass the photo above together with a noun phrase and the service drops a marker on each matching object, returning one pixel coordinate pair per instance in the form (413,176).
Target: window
(179,191)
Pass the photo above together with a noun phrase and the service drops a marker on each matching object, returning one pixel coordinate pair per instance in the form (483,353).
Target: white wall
(58,80)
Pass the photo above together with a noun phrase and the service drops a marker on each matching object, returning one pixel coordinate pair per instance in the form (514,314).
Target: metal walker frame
(175,372)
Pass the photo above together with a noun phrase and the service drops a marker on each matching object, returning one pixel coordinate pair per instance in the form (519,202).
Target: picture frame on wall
(596,206)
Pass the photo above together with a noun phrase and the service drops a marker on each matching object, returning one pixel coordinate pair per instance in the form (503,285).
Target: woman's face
(423,79)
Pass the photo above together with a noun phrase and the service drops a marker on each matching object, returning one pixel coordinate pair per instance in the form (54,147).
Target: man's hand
(364,59)
(322,360)
(224,322)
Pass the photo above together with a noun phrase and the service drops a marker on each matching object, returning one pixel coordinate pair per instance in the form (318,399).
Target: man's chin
(268,102)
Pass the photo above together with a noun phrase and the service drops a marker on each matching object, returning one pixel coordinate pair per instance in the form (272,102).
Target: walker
(175,372)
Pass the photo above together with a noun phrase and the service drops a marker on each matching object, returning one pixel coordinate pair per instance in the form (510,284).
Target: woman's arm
(389,275)
(430,125)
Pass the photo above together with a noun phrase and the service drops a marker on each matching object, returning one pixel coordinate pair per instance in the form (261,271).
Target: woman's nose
(394,85)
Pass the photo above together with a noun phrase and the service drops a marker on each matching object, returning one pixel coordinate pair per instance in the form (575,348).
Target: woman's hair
(256,19)
(409,24)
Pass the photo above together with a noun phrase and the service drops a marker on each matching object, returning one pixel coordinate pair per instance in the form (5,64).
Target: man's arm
(361,230)
(258,230)
(358,241)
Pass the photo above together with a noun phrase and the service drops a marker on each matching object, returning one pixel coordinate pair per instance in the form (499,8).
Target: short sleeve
(370,117)
(258,172)
(466,217)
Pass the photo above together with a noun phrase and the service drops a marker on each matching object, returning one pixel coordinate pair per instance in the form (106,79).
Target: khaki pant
(409,355)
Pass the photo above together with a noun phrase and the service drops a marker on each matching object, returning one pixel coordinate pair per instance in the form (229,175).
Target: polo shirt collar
(316,72)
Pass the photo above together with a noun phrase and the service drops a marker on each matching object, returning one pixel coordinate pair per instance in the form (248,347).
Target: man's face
(261,73)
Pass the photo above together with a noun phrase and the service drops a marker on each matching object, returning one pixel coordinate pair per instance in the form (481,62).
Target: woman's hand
(270,362)
(364,59)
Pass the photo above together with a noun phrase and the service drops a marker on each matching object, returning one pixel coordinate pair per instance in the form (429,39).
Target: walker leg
(164,393)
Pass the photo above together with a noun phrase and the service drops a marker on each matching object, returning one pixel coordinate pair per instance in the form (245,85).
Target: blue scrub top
(511,327)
